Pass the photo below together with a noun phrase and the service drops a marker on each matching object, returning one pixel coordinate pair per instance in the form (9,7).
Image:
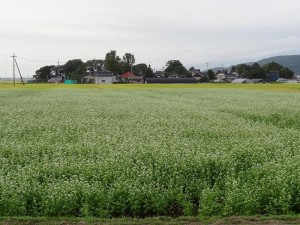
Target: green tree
(140,69)
(233,69)
(284,72)
(191,69)
(94,65)
(44,73)
(256,71)
(127,62)
(211,74)
(244,70)
(273,66)
(175,66)
(143,70)
(112,62)
(149,72)
(74,69)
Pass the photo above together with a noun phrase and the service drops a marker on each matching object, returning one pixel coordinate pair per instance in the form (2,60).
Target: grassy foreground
(149,150)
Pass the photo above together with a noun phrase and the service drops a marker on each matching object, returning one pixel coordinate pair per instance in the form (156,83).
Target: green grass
(111,151)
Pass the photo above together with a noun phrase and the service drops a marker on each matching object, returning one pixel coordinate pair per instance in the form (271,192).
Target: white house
(221,76)
(101,77)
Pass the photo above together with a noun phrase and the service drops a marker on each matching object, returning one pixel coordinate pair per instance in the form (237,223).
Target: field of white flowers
(149,152)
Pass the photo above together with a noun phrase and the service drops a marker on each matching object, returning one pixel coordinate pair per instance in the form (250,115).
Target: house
(196,73)
(242,81)
(56,79)
(100,77)
(159,74)
(221,76)
(131,78)
(231,77)
(88,79)
(198,76)
(175,75)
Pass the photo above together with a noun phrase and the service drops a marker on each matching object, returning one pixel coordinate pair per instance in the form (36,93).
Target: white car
(282,80)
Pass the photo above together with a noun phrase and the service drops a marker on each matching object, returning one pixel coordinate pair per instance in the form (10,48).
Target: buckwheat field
(140,152)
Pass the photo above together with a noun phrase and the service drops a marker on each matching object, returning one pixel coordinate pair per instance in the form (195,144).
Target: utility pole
(14,73)
(57,73)
(131,72)
(94,69)
(207,72)
(19,72)
(14,70)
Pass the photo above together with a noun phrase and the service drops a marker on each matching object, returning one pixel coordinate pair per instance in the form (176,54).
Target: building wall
(273,76)
(104,80)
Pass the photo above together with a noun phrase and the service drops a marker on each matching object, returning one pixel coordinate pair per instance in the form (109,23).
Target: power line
(16,64)
(6,56)
(5,66)
(14,75)
(33,60)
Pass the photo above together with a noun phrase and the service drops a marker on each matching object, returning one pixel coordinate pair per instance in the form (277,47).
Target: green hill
(290,61)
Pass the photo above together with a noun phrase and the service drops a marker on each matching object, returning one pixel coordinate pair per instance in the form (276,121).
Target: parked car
(282,80)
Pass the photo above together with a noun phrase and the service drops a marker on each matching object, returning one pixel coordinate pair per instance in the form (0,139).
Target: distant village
(159,77)
(108,77)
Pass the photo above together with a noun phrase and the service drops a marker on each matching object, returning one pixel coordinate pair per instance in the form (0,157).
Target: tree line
(255,71)
(75,69)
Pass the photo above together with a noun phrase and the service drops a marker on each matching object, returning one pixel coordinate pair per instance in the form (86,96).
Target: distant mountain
(290,61)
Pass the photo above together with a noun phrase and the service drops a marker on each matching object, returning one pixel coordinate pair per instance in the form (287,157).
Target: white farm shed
(242,81)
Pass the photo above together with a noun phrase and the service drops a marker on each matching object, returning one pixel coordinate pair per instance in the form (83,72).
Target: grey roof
(104,74)
(242,80)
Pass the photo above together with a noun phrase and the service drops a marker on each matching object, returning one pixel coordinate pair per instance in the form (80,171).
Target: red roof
(127,75)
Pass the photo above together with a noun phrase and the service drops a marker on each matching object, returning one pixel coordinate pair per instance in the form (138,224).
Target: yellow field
(283,87)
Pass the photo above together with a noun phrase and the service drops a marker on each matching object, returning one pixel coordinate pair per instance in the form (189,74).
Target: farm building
(273,76)
(175,75)
(56,79)
(242,81)
(231,77)
(159,74)
(100,77)
(197,74)
(131,78)
(170,80)
(221,76)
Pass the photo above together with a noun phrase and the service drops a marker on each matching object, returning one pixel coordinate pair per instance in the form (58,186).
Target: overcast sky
(41,32)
